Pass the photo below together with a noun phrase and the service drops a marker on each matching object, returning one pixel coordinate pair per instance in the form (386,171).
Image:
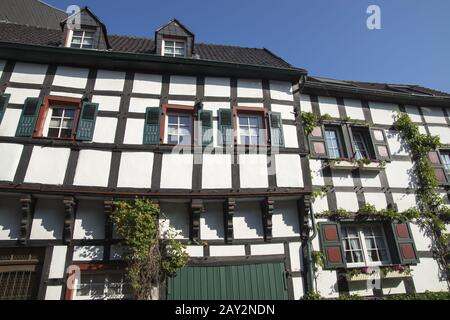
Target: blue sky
(329,38)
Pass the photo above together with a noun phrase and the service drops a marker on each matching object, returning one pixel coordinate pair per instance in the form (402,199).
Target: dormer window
(82,39)
(174,48)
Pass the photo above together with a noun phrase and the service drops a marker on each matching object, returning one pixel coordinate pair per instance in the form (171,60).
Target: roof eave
(143,62)
(374,94)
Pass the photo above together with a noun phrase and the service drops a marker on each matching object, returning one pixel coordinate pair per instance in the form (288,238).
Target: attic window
(174,48)
(82,39)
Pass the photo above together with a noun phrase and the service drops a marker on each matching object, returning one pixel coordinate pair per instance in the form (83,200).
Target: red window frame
(168,108)
(66,102)
(262,112)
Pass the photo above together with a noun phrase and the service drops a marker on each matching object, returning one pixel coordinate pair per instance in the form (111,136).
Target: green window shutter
(331,244)
(28,117)
(4,99)
(438,167)
(151,126)
(206,122)
(317,144)
(226,126)
(404,243)
(86,123)
(380,144)
(276,129)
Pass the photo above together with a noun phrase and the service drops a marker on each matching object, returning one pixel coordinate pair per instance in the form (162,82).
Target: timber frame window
(352,244)
(440,160)
(81,39)
(250,125)
(335,140)
(177,125)
(365,245)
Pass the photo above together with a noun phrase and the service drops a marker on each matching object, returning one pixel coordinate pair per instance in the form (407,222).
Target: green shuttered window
(276,129)
(226,126)
(28,117)
(206,121)
(406,248)
(86,124)
(330,238)
(151,126)
(236,282)
(4,99)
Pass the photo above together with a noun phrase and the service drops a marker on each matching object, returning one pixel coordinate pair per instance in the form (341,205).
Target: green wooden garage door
(250,281)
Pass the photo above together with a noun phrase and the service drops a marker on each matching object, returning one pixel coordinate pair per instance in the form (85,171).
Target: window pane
(57,112)
(243,120)
(67,123)
(169,43)
(253,121)
(179,51)
(172,139)
(69,113)
(78,33)
(55,122)
(53,133)
(173,129)
(66,133)
(185,121)
(185,140)
(332,143)
(173,119)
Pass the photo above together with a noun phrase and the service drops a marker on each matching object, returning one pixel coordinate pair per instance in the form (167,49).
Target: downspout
(309,262)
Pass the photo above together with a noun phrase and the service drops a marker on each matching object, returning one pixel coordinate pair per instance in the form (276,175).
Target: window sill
(346,164)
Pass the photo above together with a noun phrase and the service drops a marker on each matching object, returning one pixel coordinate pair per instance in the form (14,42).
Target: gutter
(143,62)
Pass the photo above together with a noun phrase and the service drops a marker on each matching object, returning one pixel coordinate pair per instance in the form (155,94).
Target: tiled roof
(10,32)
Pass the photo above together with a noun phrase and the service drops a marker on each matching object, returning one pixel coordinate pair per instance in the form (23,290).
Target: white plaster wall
(251,104)
(134,131)
(305,103)
(360,288)
(327,283)
(66,94)
(18,95)
(135,170)
(422,242)
(266,249)
(92,168)
(107,103)
(376,199)
(285,219)
(290,136)
(11,118)
(247,220)
(370,179)
(215,106)
(90,220)
(183,85)
(10,216)
(211,222)
(295,254)
(47,165)
(147,83)
(404,201)
(176,216)
(393,286)
(71,77)
(217,87)
(316,172)
(226,251)
(413,113)
(140,104)
(105,130)
(426,276)
(383,113)
(87,253)
(442,132)
(398,173)
(249,88)
(109,80)
(347,201)
(53,292)
(342,178)
(9,160)
(58,262)
(433,115)
(422,130)
(397,145)
(253,171)
(354,109)
(48,220)
(176,171)
(328,105)
(297,284)
(182,102)
(29,73)
(289,170)
(281,90)
(287,112)
(194,251)
(216,171)
(320,204)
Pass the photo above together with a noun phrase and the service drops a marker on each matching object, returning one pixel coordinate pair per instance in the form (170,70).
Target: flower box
(351,165)
(395,274)
(359,277)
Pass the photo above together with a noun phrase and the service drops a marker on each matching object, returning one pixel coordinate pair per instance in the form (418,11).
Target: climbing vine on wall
(309,121)
(430,203)
(151,254)
(370,212)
